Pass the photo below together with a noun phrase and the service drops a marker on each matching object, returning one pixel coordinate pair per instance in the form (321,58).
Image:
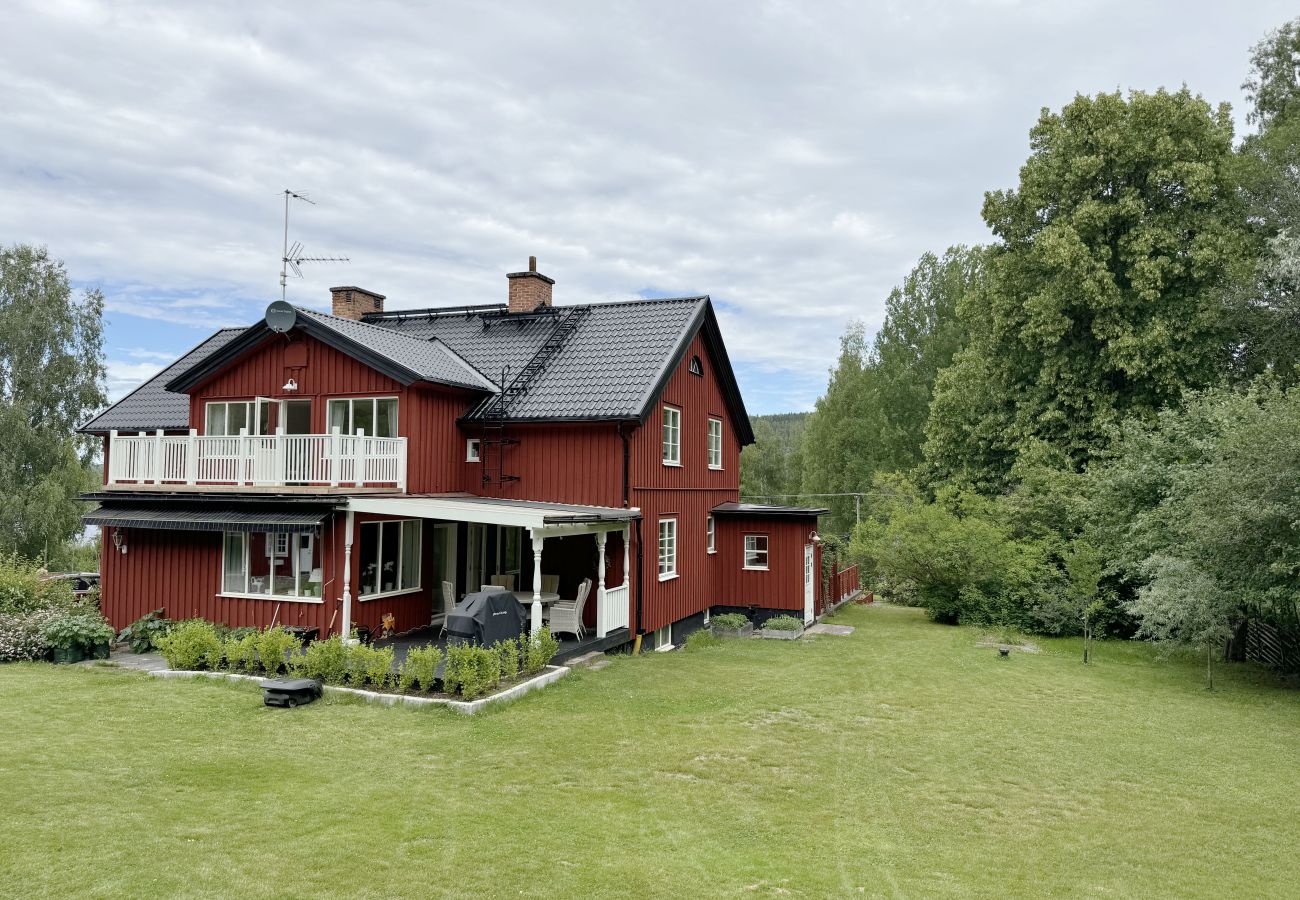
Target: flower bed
(782,628)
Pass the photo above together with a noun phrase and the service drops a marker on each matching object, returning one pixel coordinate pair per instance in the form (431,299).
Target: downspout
(627,461)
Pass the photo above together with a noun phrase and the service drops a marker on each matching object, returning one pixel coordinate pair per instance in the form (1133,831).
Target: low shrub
(325,660)
(417,670)
(729,621)
(22,589)
(241,653)
(783,623)
(539,651)
(142,634)
(370,665)
(189,644)
(21,637)
(273,648)
(471,670)
(702,640)
(508,653)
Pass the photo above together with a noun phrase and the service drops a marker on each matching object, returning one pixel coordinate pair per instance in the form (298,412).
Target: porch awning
(180,519)
(493,511)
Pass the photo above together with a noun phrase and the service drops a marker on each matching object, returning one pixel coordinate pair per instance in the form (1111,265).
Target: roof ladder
(496,412)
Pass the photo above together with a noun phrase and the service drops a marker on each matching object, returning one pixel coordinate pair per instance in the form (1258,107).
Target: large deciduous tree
(51,379)
(1105,294)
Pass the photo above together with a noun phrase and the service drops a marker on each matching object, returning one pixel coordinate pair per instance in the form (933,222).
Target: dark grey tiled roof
(151,406)
(430,360)
(206,519)
(607,369)
(762,509)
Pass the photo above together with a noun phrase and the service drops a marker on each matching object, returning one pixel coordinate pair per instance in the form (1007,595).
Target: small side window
(471,450)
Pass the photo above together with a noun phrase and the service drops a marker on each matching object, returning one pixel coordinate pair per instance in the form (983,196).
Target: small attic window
(697,368)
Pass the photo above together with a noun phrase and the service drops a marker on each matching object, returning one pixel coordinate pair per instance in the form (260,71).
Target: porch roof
(171,518)
(495,511)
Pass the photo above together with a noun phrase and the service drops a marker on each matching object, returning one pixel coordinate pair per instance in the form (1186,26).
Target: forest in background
(1088,424)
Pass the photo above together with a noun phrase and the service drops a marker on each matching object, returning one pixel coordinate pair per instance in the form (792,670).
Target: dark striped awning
(181,519)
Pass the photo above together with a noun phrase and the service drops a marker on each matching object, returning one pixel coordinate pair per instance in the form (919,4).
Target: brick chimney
(529,290)
(354,302)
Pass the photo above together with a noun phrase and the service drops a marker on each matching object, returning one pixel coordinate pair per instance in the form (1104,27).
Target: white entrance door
(809,583)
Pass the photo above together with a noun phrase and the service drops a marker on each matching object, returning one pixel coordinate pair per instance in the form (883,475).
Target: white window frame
(374,412)
(672,426)
(668,548)
(755,538)
(273,541)
(472,447)
(245,543)
(710,535)
(715,442)
(251,419)
(663,638)
(379,555)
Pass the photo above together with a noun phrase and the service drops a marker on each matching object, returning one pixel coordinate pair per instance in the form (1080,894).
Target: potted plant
(72,638)
(731,625)
(782,628)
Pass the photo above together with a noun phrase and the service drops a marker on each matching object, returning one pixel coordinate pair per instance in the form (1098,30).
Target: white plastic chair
(566,615)
(448,604)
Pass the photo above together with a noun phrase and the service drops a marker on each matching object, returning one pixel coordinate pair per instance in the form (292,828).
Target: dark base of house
(758,614)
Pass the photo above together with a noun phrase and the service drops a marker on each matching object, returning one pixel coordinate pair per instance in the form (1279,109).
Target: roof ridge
(476,309)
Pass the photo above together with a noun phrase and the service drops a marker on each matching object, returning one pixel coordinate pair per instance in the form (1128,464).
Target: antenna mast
(291,257)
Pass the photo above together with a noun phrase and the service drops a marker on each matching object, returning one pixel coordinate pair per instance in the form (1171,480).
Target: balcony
(348,461)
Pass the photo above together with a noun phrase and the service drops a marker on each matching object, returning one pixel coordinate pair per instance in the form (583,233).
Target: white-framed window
(224,418)
(472,450)
(664,638)
(709,536)
(715,443)
(755,551)
(376,415)
(277,564)
(388,556)
(667,549)
(672,436)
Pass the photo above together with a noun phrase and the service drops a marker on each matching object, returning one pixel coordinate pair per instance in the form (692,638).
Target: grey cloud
(792,159)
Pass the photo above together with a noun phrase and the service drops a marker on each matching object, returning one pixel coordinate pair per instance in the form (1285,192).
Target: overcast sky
(791,159)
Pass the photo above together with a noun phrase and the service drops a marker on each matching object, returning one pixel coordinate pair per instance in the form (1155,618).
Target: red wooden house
(330,470)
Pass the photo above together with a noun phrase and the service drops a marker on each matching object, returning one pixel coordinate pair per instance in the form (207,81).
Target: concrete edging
(549,675)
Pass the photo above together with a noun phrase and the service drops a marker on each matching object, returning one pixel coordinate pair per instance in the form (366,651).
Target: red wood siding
(555,462)
(686,492)
(781,586)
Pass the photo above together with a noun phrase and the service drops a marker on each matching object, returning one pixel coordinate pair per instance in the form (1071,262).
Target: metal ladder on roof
(496,413)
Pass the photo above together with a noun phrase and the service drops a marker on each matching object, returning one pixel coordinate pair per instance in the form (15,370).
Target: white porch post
(627,535)
(538,543)
(192,457)
(347,578)
(602,615)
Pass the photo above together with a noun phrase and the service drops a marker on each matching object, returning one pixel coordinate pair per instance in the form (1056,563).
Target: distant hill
(774,464)
(787,428)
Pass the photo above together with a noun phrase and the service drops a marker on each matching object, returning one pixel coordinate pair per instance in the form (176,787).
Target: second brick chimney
(529,290)
(354,302)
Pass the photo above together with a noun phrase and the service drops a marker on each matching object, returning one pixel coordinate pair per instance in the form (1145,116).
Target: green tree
(1105,293)
(1273,86)
(51,379)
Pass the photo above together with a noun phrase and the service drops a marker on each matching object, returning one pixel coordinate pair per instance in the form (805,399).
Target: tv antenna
(292,257)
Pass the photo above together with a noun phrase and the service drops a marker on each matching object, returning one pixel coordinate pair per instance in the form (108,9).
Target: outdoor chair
(550,584)
(503,581)
(448,604)
(566,615)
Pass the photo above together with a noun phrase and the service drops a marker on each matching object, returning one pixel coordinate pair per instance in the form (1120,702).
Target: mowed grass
(899,761)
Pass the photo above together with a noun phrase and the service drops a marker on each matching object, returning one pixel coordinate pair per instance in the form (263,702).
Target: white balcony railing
(612,614)
(270,460)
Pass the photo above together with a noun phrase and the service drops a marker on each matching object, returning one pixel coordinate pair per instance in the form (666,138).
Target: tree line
(1089,423)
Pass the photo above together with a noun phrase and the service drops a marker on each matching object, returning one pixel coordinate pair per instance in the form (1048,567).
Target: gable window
(710,544)
(672,436)
(377,416)
(696,367)
(389,557)
(271,564)
(715,443)
(472,450)
(755,551)
(225,418)
(667,549)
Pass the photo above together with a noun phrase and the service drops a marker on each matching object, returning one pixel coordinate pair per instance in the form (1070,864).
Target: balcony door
(299,455)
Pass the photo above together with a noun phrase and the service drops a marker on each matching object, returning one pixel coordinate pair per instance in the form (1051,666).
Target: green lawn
(900,761)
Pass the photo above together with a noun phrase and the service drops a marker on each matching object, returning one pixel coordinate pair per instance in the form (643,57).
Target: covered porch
(543,552)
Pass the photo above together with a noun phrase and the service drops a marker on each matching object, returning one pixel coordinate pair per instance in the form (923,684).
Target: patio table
(543,599)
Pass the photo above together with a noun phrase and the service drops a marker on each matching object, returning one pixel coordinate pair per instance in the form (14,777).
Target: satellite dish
(280,316)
